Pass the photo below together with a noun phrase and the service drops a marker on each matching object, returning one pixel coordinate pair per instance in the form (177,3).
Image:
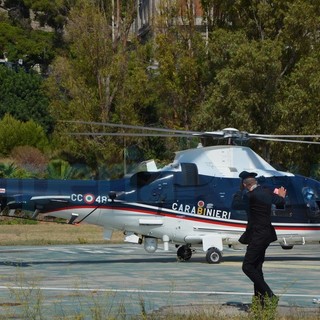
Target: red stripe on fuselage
(183,216)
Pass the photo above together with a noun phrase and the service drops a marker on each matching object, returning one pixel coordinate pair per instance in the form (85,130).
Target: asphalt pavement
(49,282)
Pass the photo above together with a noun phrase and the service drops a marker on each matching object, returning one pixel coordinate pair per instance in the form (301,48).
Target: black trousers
(252,267)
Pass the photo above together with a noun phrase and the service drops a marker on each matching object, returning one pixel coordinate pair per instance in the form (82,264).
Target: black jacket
(257,204)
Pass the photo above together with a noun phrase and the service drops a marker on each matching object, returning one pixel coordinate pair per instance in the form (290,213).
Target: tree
(18,133)
(22,96)
(299,102)
(29,46)
(86,85)
(11,171)
(235,77)
(60,169)
(50,12)
(245,88)
(177,73)
(257,58)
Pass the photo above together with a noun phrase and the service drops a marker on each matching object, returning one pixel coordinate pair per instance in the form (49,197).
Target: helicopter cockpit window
(312,201)
(143,178)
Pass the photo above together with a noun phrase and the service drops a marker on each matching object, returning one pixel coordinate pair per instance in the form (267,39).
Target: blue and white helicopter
(187,203)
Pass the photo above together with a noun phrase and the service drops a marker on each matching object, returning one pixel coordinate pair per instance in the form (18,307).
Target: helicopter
(187,203)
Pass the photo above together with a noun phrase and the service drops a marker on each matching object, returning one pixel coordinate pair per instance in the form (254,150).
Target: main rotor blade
(170,132)
(225,133)
(288,140)
(126,134)
(316,136)
(126,126)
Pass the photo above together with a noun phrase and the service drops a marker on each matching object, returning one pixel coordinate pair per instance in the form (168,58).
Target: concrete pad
(74,280)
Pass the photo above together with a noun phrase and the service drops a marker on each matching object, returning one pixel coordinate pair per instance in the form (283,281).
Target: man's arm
(278,198)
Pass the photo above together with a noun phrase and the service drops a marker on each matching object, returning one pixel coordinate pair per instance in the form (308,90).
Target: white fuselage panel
(226,161)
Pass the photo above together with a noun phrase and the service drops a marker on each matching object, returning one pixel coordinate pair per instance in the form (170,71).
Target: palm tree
(60,169)
(10,170)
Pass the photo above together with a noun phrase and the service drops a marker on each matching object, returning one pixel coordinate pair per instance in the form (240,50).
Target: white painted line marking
(149,291)
(63,250)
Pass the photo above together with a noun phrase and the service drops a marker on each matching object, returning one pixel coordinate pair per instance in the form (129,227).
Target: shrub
(30,159)
(18,133)
(10,170)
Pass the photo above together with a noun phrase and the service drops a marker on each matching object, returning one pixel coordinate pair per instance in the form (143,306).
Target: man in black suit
(257,202)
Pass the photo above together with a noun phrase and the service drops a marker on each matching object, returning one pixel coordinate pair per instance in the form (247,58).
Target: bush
(10,170)
(30,159)
(20,133)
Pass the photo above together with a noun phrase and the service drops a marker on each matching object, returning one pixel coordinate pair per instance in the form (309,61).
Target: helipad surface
(124,279)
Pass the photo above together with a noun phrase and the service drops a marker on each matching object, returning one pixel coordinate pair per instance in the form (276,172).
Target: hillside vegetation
(255,68)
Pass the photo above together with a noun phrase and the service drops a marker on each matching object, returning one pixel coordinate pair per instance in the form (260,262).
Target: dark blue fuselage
(205,195)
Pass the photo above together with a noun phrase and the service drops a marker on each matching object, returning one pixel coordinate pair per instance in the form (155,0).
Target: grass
(30,304)
(50,233)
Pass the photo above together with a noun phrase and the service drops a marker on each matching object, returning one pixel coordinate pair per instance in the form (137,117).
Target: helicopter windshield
(312,201)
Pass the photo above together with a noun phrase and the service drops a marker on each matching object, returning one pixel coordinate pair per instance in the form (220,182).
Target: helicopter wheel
(214,255)
(184,253)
